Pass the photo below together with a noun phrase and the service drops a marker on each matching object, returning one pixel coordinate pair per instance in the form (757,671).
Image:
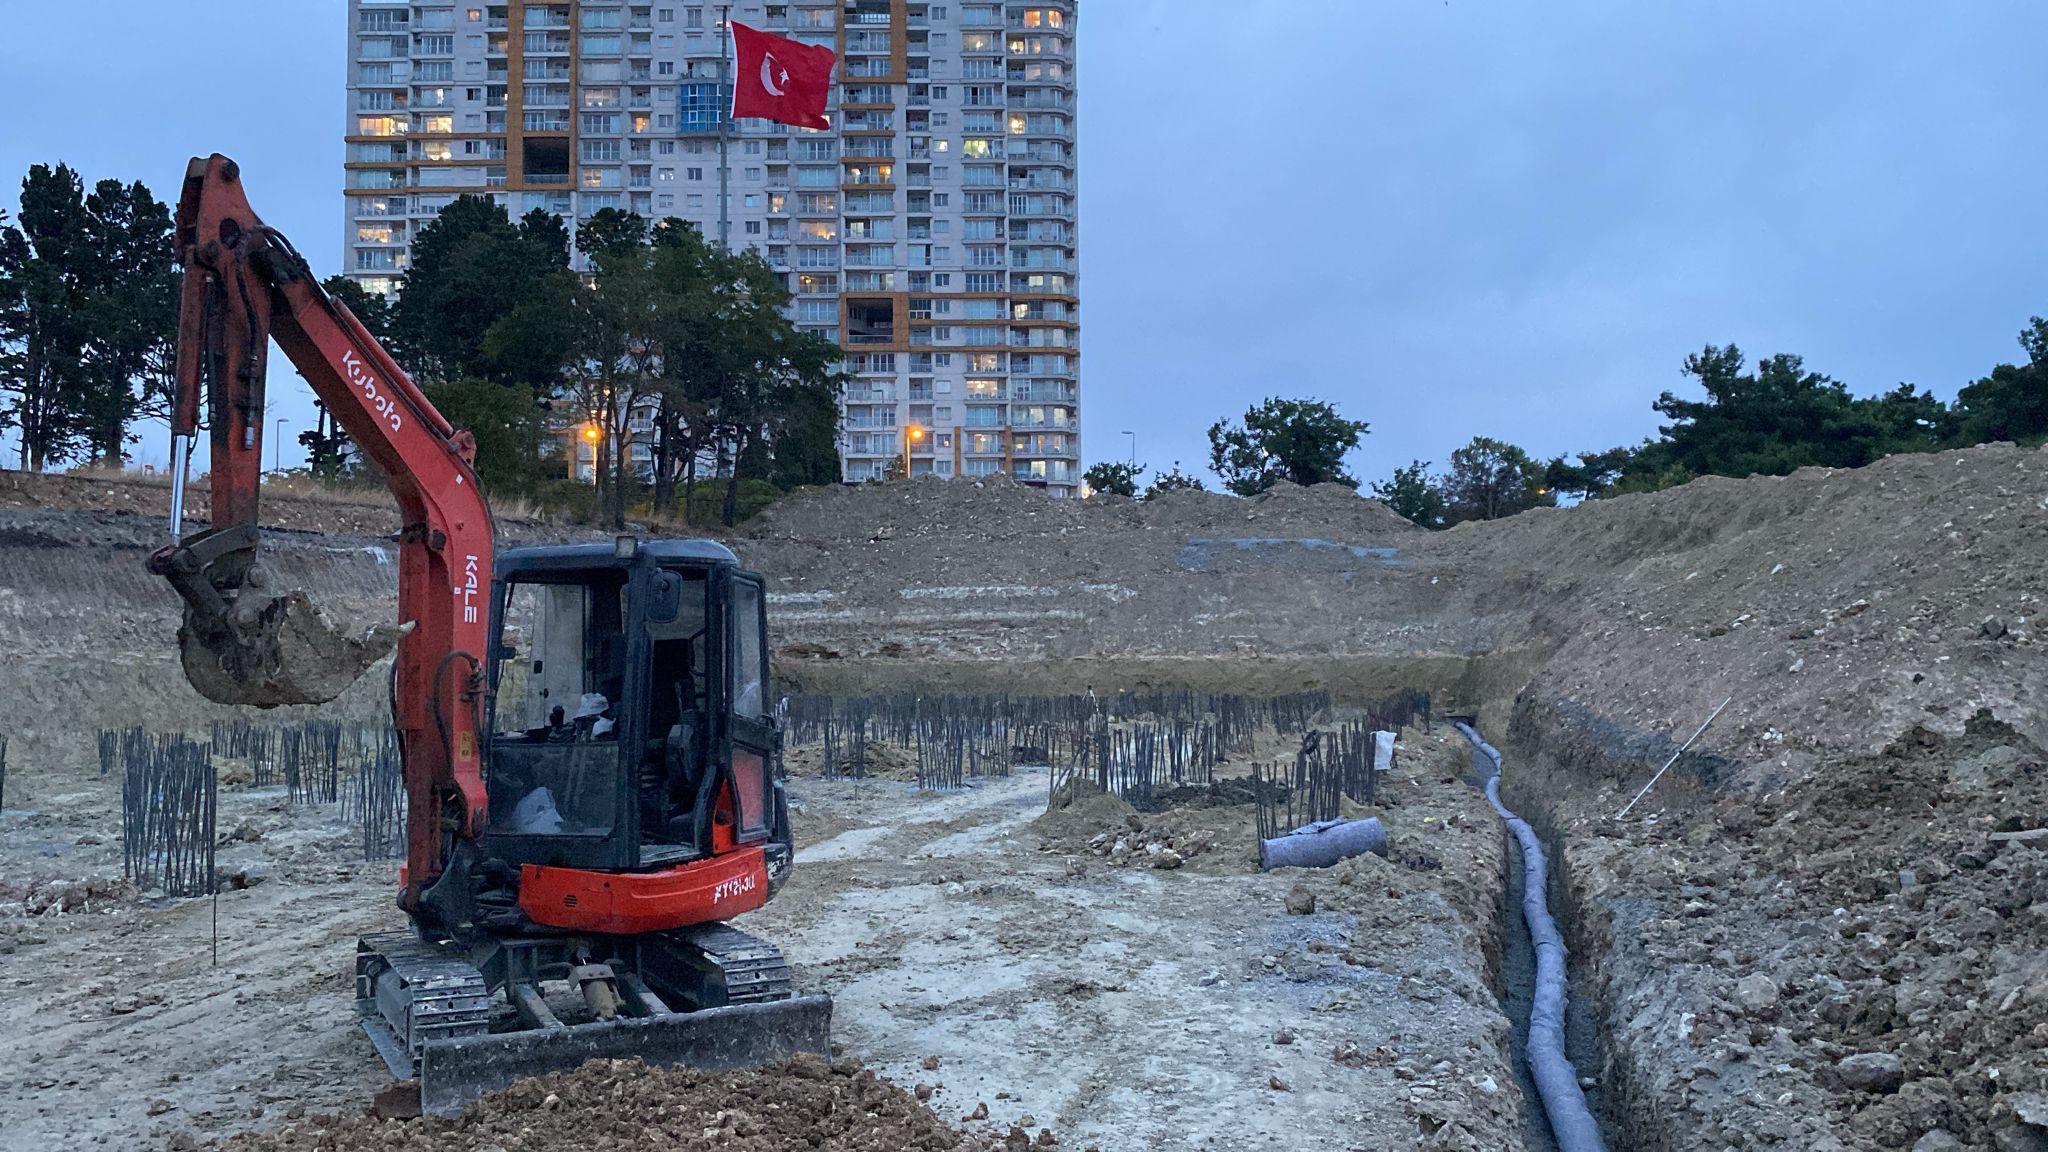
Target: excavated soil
(801,1106)
(1757,952)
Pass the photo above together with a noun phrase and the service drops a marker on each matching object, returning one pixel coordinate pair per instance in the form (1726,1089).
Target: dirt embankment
(1840,607)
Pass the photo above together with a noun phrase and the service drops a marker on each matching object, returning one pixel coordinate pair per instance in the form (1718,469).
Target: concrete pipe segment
(1557,1082)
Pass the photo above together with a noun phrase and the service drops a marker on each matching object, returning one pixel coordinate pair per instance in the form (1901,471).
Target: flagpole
(725,129)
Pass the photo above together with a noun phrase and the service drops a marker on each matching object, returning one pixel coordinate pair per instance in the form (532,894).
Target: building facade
(932,232)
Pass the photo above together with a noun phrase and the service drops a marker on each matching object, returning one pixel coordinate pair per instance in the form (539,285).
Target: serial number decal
(737,887)
(366,383)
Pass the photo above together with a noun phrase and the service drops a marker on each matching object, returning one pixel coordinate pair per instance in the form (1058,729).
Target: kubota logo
(740,886)
(367,384)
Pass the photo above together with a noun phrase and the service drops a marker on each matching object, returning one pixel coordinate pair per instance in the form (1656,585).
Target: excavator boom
(245,640)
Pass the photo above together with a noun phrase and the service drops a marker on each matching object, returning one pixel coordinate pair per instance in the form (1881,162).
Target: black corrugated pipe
(1557,1082)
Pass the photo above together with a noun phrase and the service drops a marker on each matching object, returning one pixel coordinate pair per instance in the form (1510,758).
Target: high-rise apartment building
(932,231)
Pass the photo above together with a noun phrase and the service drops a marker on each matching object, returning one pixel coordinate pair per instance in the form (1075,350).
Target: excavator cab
(630,724)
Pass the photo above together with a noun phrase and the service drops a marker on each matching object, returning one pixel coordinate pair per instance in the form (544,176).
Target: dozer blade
(452,1072)
(289,652)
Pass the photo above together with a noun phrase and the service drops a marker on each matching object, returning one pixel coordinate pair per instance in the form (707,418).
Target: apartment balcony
(1035,259)
(1060,139)
(1041,77)
(1041,180)
(1048,98)
(1057,207)
(1044,393)
(1068,453)
(1026,152)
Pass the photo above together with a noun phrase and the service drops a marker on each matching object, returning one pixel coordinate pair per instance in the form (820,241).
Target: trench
(1585,1045)
(1516,984)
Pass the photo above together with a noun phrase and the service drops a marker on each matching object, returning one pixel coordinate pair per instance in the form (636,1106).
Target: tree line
(663,342)
(1766,418)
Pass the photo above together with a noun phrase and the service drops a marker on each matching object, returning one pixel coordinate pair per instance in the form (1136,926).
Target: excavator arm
(244,640)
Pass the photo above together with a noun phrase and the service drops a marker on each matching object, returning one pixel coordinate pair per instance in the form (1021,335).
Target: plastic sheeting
(1557,1082)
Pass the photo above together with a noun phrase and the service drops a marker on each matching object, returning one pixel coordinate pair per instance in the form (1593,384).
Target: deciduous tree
(1114,477)
(1413,495)
(1489,479)
(1299,441)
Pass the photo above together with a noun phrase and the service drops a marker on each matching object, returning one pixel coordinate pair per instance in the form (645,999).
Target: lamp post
(1134,447)
(591,436)
(912,435)
(277,445)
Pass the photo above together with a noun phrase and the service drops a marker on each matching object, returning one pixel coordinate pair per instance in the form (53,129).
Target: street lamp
(913,434)
(1134,446)
(277,445)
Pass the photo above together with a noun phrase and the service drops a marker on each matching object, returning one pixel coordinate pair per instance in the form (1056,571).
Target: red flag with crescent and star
(779,79)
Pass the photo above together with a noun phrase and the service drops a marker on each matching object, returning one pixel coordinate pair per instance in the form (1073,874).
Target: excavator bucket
(454,1072)
(286,651)
(242,643)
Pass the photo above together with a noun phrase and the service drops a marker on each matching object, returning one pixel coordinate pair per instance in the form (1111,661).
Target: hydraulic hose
(1557,1082)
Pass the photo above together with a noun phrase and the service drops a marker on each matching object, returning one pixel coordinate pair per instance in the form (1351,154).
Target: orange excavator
(587,742)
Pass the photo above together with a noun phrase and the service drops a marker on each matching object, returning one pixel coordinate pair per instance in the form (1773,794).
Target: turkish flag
(776,78)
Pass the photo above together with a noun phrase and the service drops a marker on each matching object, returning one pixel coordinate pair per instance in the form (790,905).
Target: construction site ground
(974,943)
(1824,929)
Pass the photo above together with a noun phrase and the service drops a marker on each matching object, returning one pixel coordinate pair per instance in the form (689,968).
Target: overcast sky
(1448,218)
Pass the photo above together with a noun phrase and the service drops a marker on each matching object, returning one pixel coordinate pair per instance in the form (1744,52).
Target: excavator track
(411,993)
(750,970)
(711,996)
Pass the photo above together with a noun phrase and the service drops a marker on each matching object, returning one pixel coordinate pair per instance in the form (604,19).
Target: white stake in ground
(1674,758)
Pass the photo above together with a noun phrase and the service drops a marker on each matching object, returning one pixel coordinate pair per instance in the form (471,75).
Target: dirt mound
(881,761)
(627,1106)
(1081,812)
(998,509)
